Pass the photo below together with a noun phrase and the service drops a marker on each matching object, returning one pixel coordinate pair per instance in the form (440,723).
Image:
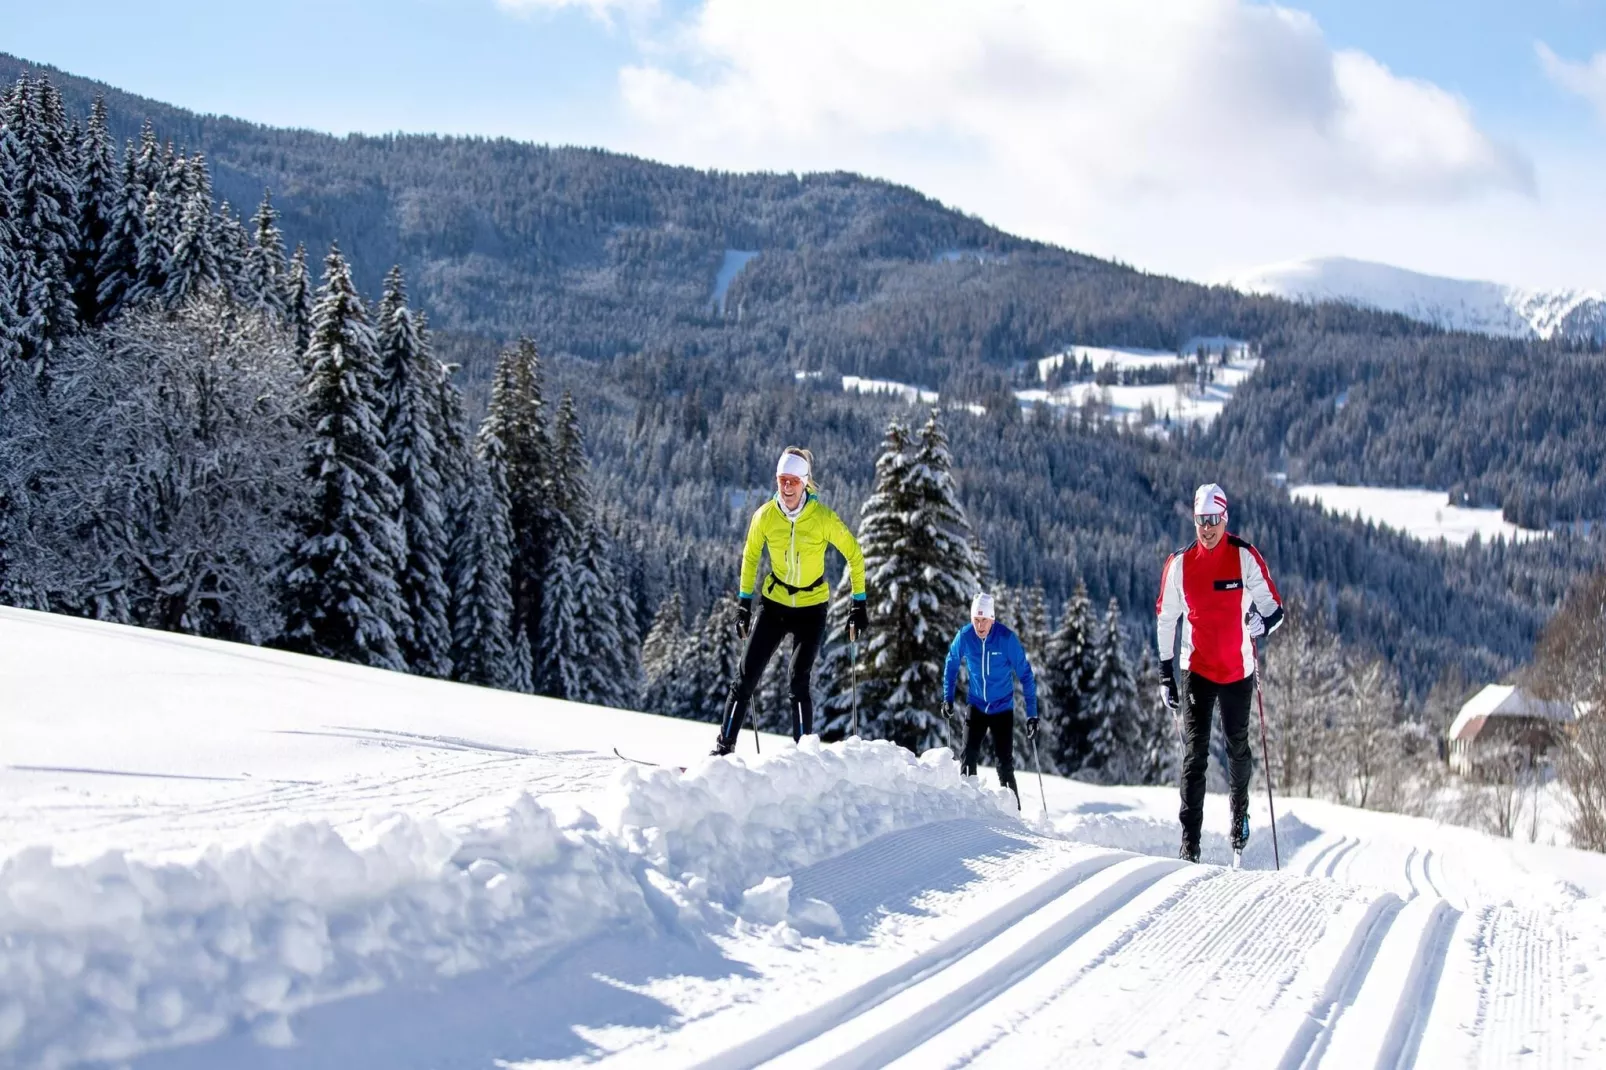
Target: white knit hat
(792,464)
(1209,499)
(982,606)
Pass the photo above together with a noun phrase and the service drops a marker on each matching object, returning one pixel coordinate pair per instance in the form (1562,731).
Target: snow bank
(110,958)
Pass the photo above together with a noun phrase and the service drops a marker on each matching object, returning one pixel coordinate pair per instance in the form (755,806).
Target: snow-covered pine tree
(119,258)
(192,269)
(1111,707)
(155,249)
(1157,751)
(298,299)
(882,529)
(409,380)
(662,654)
(579,656)
(1065,677)
(266,280)
(10,326)
(233,247)
(1028,615)
(340,592)
(44,190)
(94,210)
(717,661)
(517,415)
(486,648)
(935,578)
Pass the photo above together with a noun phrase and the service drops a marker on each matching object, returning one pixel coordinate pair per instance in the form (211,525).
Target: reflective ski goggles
(1210,520)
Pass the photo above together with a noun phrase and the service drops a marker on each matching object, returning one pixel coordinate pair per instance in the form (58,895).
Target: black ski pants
(1002,726)
(1202,696)
(806,626)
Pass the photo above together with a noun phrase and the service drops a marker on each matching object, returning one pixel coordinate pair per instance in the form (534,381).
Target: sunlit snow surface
(1422,514)
(214,856)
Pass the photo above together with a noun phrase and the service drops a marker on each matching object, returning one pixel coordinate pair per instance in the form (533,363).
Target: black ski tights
(1202,696)
(1002,726)
(806,625)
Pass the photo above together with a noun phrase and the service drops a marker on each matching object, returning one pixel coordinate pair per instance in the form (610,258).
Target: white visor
(791,464)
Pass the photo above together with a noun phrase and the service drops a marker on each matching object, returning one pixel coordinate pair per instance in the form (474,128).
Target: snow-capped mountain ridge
(1453,304)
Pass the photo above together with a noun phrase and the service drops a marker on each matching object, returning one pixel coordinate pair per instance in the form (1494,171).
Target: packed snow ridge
(1452,304)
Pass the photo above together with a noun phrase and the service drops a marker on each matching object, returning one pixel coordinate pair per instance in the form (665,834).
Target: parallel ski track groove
(850,1005)
(1311,1043)
(1400,1051)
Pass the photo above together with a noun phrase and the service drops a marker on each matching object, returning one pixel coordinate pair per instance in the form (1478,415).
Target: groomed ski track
(1130,960)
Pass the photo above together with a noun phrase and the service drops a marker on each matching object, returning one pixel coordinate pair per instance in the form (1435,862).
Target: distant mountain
(1452,304)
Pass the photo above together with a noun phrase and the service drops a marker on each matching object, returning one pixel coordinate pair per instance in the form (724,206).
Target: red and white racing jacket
(1209,592)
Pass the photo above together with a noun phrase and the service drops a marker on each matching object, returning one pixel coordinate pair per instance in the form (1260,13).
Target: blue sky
(1201,137)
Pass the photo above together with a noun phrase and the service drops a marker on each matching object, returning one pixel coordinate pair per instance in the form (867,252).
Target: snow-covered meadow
(1422,514)
(214,855)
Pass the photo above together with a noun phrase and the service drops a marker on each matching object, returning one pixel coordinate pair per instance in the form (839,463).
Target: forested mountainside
(1516,425)
(686,388)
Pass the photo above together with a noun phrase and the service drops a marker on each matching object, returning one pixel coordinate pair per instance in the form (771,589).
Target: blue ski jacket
(993,665)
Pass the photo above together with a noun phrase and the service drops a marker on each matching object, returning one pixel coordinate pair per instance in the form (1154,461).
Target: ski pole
(1265,762)
(853,656)
(1040,789)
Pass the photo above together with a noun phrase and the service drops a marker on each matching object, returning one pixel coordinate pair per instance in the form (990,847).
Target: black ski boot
(1189,852)
(1240,831)
(721,748)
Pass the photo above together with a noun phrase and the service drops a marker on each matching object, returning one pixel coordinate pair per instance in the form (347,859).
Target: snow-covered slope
(218,856)
(1454,304)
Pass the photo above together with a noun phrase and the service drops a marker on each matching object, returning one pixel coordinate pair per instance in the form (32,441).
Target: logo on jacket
(1229,585)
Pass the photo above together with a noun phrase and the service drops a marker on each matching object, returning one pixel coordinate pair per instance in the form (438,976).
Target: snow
(1169,403)
(213,855)
(730,267)
(1422,514)
(1453,304)
(853,384)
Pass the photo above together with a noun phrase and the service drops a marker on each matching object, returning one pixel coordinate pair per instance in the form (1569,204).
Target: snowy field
(1421,514)
(1168,403)
(216,856)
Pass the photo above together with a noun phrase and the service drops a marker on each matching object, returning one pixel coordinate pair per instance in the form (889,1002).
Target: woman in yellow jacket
(795,527)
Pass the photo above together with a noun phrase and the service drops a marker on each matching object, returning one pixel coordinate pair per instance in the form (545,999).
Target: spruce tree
(486,648)
(663,658)
(341,596)
(409,380)
(192,268)
(581,653)
(119,258)
(1112,701)
(1066,676)
(882,530)
(10,325)
(716,660)
(43,189)
(298,299)
(516,416)
(95,211)
(233,248)
(266,281)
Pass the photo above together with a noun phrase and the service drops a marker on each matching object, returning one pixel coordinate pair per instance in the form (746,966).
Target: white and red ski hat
(982,606)
(792,464)
(1209,499)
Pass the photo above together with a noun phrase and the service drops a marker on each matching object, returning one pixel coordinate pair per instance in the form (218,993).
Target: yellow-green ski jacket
(797,553)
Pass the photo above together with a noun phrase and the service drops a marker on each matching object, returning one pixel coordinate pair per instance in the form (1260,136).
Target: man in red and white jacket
(1218,594)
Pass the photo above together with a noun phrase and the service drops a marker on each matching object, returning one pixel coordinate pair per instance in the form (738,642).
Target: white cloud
(1588,80)
(1092,101)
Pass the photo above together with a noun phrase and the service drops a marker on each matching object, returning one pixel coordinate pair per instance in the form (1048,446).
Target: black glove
(858,620)
(1168,686)
(744,616)
(1031,728)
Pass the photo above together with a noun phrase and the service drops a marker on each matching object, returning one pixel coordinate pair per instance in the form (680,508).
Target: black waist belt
(795,591)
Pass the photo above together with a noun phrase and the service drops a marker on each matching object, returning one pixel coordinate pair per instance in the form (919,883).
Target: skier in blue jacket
(993,660)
